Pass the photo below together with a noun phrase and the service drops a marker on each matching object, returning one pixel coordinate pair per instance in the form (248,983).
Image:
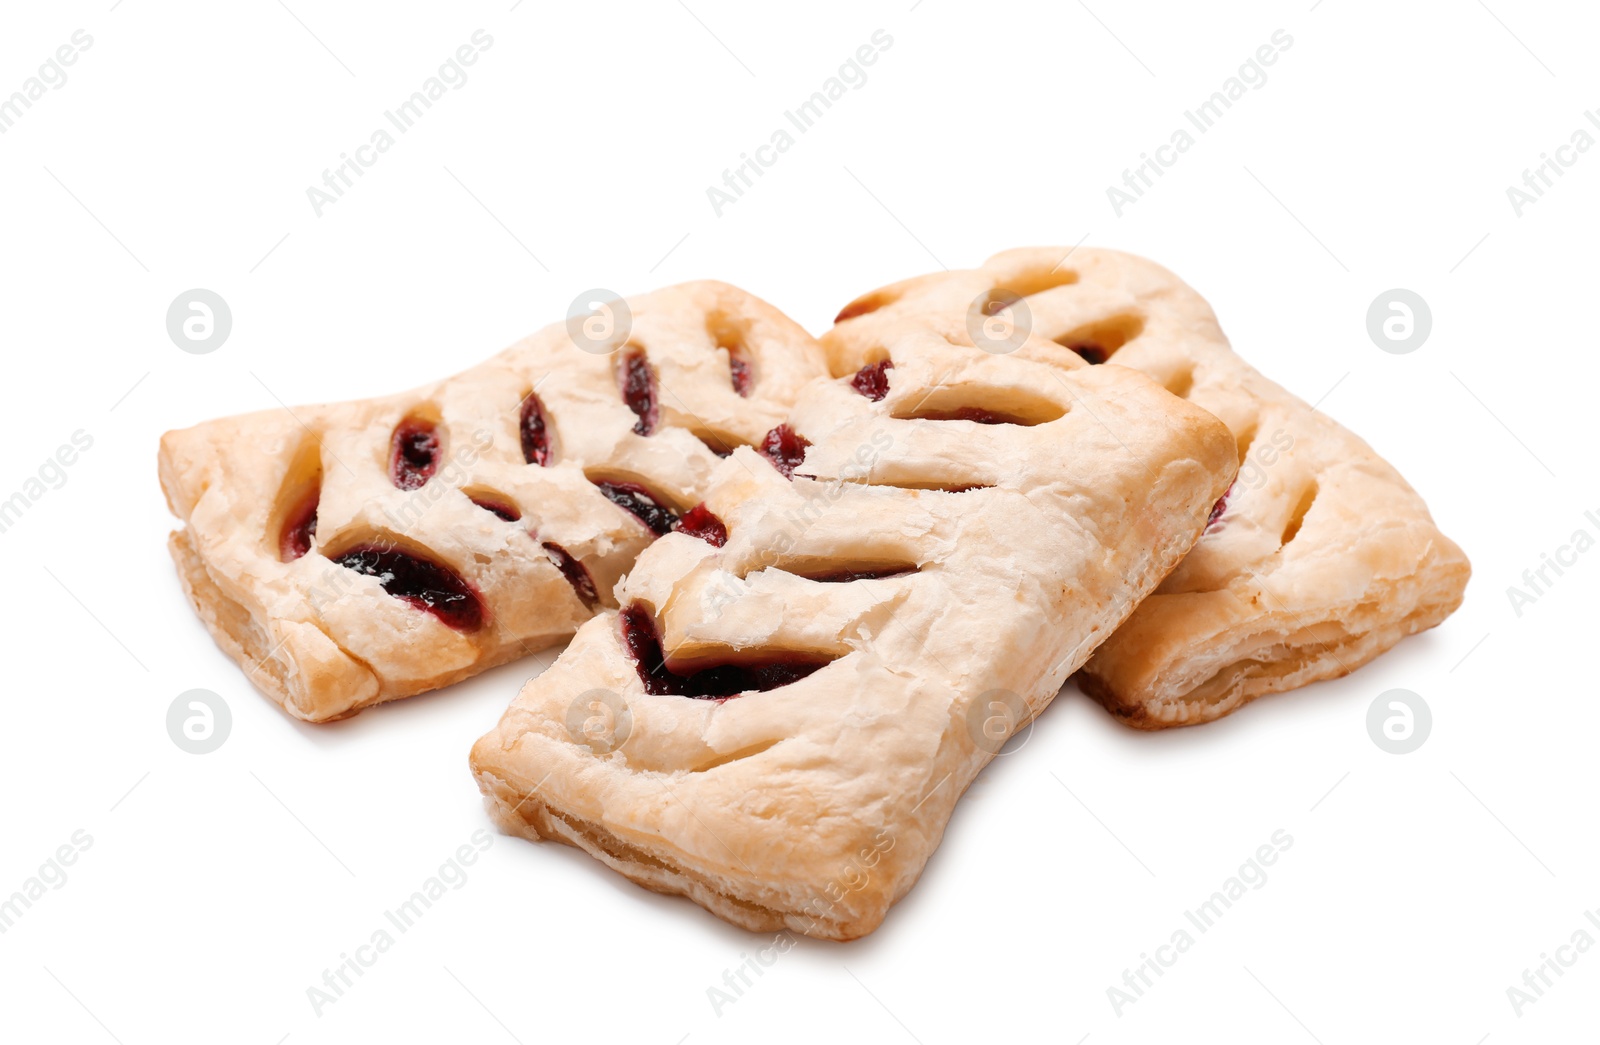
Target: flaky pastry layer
(948,573)
(324,640)
(1322,556)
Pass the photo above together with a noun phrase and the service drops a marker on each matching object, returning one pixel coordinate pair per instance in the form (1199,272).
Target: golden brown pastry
(1320,557)
(779,721)
(359,552)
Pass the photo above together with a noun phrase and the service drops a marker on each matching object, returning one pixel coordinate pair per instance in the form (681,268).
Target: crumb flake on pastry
(1319,558)
(779,721)
(359,552)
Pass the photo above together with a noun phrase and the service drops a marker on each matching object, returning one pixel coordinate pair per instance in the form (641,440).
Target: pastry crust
(1322,558)
(323,640)
(813,806)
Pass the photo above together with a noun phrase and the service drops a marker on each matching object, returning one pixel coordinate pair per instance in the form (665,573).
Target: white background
(1377,155)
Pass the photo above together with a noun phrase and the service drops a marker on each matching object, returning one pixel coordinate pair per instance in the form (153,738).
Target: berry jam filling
(424,584)
(299,526)
(972,413)
(785,448)
(1091,353)
(637,383)
(845,576)
(716,682)
(1218,508)
(743,376)
(700,522)
(575,572)
(872,380)
(413,453)
(643,504)
(535,434)
(504,510)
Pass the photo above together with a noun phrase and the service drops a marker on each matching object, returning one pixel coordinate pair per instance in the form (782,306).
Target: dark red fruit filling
(1091,353)
(575,572)
(1220,507)
(872,380)
(535,434)
(718,681)
(643,504)
(845,576)
(424,584)
(413,453)
(972,413)
(785,448)
(638,385)
(700,522)
(299,526)
(506,511)
(743,376)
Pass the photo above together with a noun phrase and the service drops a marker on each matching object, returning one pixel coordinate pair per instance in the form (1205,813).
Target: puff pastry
(1320,558)
(354,553)
(779,725)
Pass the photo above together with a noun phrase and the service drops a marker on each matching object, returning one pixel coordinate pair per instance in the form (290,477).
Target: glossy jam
(425,584)
(718,681)
(575,572)
(637,383)
(644,505)
(299,527)
(414,452)
(503,509)
(785,448)
(700,522)
(536,447)
(872,380)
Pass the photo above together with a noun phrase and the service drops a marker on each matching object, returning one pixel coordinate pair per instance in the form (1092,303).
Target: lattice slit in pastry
(1098,341)
(637,384)
(758,804)
(533,428)
(1371,585)
(534,502)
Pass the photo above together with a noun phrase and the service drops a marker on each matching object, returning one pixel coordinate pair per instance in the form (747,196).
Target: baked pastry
(359,552)
(1320,557)
(780,719)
